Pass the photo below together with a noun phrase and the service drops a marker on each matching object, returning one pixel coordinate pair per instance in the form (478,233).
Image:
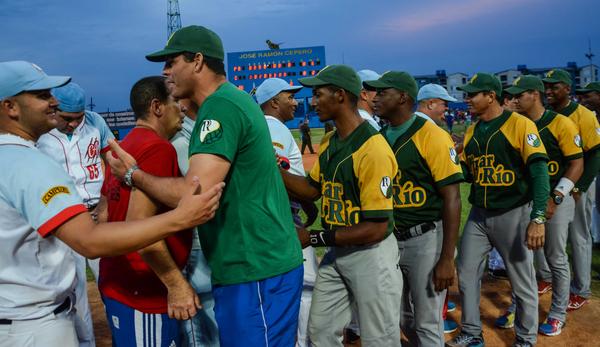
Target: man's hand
(576,196)
(182,300)
(535,235)
(195,208)
(550,208)
(443,274)
(119,160)
(311,210)
(303,236)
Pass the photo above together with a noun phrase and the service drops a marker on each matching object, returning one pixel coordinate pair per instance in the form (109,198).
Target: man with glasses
(506,162)
(79,143)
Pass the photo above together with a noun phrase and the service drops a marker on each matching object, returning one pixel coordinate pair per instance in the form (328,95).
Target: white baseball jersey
(37,270)
(369,118)
(286,147)
(80,154)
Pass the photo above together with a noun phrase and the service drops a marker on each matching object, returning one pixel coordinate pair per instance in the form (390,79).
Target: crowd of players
(197,222)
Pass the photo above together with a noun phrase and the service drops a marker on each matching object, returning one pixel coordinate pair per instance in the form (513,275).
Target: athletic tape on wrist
(564,186)
(322,238)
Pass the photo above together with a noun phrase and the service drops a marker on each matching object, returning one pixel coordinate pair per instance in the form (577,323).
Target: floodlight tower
(173,17)
(590,56)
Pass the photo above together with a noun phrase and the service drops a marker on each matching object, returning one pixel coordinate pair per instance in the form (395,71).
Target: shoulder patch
(277,144)
(598,131)
(453,155)
(54,191)
(386,186)
(210,131)
(533,140)
(577,140)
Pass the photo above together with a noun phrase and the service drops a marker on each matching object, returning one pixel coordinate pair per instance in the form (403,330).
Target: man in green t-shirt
(251,245)
(353,177)
(506,162)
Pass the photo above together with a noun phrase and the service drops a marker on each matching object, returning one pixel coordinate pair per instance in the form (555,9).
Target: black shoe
(499,274)
(351,336)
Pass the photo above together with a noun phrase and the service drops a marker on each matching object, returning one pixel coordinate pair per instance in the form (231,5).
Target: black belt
(417,230)
(61,308)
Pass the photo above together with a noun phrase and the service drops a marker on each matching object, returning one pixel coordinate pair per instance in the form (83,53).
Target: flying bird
(273,45)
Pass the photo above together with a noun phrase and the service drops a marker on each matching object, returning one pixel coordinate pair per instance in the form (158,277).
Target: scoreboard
(247,70)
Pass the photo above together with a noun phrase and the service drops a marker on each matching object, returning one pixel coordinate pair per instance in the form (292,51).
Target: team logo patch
(210,131)
(533,140)
(385,186)
(598,131)
(278,145)
(577,140)
(453,155)
(54,191)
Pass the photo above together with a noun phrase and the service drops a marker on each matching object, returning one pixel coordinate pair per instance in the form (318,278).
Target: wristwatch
(539,220)
(128,178)
(557,198)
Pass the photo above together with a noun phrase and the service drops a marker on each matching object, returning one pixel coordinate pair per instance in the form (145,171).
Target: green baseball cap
(395,79)
(525,83)
(193,38)
(482,82)
(342,76)
(558,75)
(590,87)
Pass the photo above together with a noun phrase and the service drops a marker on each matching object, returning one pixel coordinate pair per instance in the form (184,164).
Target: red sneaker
(544,287)
(576,302)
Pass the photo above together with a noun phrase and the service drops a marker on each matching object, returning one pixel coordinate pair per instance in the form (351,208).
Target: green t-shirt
(354,176)
(252,236)
(427,161)
(496,158)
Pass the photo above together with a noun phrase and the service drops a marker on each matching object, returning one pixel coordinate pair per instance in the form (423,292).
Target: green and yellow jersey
(562,141)
(354,176)
(586,123)
(427,161)
(496,154)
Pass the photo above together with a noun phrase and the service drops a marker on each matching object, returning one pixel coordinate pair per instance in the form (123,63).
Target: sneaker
(450,326)
(499,274)
(520,343)
(575,302)
(466,340)
(544,287)
(451,306)
(506,321)
(551,327)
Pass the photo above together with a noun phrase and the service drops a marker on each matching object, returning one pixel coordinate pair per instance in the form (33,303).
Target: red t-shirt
(127,278)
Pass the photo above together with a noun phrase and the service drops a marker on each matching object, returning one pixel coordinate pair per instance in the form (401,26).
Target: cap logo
(170,37)
(472,80)
(37,68)
(550,73)
(516,82)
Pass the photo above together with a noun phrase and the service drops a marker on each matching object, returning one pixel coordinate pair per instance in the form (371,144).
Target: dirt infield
(581,328)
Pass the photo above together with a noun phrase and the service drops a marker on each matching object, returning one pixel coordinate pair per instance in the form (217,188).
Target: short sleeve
(589,129)
(442,159)
(569,139)
(314,176)
(105,134)
(219,129)
(45,195)
(374,167)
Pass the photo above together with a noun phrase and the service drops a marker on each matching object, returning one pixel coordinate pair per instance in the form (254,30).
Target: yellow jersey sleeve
(567,134)
(523,135)
(374,167)
(468,136)
(315,172)
(437,148)
(589,129)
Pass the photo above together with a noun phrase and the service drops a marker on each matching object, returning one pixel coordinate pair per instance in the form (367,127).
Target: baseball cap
(368,75)
(71,97)
(271,87)
(482,82)
(558,75)
(434,91)
(590,87)
(395,79)
(22,76)
(525,83)
(193,38)
(342,76)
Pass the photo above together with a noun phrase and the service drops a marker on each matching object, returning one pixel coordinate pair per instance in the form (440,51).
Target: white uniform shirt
(37,270)
(286,147)
(369,118)
(80,155)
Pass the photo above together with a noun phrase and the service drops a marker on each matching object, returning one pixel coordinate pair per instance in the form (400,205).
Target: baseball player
(77,144)
(500,151)
(201,330)
(563,145)
(276,98)
(365,101)
(41,216)
(353,178)
(426,206)
(558,88)
(251,246)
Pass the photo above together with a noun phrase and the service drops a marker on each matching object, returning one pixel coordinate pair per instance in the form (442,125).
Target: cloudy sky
(102,43)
